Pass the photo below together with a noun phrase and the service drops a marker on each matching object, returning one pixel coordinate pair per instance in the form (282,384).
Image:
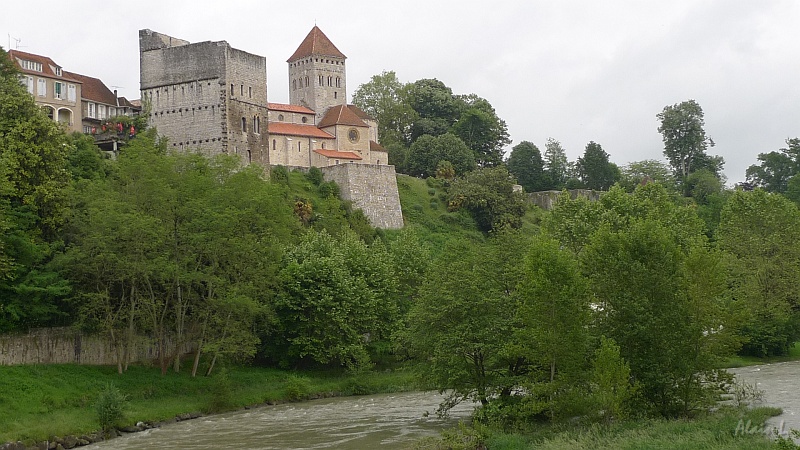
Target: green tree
(761,230)
(611,381)
(488,194)
(482,130)
(685,140)
(556,164)
(461,324)
(384,98)
(776,168)
(595,170)
(647,171)
(428,151)
(333,295)
(525,163)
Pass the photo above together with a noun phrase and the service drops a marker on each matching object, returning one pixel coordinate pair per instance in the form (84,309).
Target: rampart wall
(547,200)
(372,188)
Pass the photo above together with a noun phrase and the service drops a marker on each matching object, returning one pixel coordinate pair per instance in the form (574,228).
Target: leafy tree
(333,293)
(525,163)
(685,140)
(482,131)
(647,171)
(462,322)
(427,152)
(776,168)
(611,381)
(761,230)
(556,164)
(595,170)
(488,194)
(384,98)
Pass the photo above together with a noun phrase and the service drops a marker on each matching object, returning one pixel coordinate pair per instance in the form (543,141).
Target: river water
(386,421)
(780,383)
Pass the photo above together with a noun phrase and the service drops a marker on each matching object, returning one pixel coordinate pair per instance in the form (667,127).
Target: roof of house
(93,89)
(296,129)
(135,104)
(47,65)
(337,154)
(316,43)
(375,147)
(289,108)
(341,115)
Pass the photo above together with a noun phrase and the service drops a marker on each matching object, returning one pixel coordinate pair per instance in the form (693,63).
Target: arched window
(231,89)
(298,146)
(280,117)
(321,80)
(273,144)
(244,124)
(329,80)
(306,81)
(338,82)
(256,124)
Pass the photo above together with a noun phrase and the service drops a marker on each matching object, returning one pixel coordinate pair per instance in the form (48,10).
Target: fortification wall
(372,188)
(67,346)
(547,200)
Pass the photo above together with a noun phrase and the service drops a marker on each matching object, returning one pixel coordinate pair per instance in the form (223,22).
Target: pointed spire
(316,43)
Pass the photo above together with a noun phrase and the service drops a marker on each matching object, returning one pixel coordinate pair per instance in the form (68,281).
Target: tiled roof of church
(93,89)
(337,154)
(296,129)
(374,146)
(316,43)
(360,112)
(289,108)
(340,115)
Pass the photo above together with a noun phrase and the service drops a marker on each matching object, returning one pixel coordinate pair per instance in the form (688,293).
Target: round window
(353,135)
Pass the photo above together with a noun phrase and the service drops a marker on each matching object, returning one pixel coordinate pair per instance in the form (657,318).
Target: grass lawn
(39,401)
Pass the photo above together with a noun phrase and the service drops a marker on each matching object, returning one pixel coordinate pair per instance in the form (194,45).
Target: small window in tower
(338,82)
(329,80)
(231,89)
(244,124)
(306,81)
(335,95)
(294,85)
(241,90)
(321,80)
(250,91)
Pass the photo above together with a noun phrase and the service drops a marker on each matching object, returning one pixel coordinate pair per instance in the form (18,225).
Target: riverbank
(745,361)
(41,401)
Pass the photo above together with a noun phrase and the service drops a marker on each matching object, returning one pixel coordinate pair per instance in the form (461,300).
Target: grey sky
(572,70)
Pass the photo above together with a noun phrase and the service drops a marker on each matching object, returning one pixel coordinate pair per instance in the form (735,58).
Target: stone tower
(317,74)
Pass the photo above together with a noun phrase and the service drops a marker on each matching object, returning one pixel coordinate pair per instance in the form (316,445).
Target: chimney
(116,97)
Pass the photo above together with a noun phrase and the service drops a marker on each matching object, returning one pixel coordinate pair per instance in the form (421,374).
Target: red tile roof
(359,112)
(289,108)
(295,129)
(46,63)
(337,154)
(374,146)
(340,115)
(93,89)
(316,43)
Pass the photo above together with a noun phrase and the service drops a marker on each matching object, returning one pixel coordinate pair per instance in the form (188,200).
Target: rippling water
(781,385)
(388,421)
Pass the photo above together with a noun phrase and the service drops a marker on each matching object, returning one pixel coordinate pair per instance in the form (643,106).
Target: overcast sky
(577,71)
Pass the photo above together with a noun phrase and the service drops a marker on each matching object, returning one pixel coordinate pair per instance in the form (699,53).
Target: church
(212,98)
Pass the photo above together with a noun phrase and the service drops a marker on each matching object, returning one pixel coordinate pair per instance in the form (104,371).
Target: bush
(314,175)
(221,393)
(279,174)
(297,388)
(110,407)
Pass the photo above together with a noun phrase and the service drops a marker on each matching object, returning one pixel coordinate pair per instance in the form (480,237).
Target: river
(387,421)
(780,383)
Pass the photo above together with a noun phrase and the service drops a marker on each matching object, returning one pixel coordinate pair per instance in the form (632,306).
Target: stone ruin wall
(372,188)
(547,200)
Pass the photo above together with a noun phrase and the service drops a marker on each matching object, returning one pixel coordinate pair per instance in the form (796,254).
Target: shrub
(110,407)
(314,175)
(221,393)
(279,174)
(297,388)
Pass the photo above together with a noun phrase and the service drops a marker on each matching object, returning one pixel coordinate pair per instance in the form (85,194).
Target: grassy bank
(726,429)
(743,361)
(37,402)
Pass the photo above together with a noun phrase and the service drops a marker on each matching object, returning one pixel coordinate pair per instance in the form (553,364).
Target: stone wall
(372,188)
(67,346)
(547,200)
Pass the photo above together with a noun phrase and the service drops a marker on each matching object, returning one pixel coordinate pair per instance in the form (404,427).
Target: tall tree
(595,170)
(482,130)
(428,151)
(556,164)
(776,168)
(488,194)
(525,163)
(647,171)
(385,98)
(685,140)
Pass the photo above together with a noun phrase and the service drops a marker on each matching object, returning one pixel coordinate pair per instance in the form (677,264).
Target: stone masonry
(373,188)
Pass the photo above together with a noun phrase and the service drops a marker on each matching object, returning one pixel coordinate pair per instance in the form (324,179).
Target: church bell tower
(317,74)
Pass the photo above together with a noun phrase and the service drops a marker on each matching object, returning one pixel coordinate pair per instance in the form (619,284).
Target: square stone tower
(317,74)
(206,96)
